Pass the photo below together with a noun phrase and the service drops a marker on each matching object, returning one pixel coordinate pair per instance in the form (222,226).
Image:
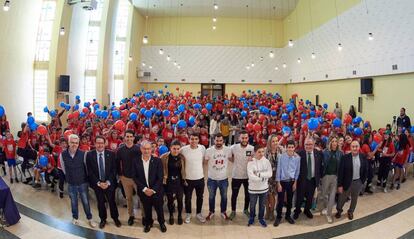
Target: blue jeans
(212,186)
(253,200)
(82,190)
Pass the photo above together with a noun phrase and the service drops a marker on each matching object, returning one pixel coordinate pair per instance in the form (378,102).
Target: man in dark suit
(309,177)
(149,178)
(102,168)
(352,174)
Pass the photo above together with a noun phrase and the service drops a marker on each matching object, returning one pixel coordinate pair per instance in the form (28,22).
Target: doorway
(212,90)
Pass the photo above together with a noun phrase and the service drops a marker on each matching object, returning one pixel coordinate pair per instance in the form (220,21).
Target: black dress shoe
(290,220)
(277,222)
(338,215)
(350,215)
(308,214)
(147,228)
(296,216)
(171,220)
(131,221)
(117,223)
(102,224)
(163,228)
(179,220)
(143,221)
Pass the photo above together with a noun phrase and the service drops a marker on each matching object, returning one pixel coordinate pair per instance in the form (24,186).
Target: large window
(119,54)
(41,61)
(92,49)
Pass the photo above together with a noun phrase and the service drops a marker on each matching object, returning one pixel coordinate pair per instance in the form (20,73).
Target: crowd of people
(157,145)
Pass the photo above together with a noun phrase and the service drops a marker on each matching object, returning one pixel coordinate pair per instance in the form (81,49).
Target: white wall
(76,51)
(18,42)
(391,22)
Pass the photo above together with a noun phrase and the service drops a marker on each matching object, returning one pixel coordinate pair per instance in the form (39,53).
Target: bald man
(352,174)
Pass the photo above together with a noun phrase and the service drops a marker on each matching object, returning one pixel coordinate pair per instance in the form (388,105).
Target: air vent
(395,67)
(147,73)
(270,81)
(155,79)
(182,80)
(213,80)
(326,76)
(354,72)
(304,78)
(243,80)
(290,80)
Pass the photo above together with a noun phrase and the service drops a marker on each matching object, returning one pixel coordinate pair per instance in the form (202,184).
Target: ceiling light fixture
(6,6)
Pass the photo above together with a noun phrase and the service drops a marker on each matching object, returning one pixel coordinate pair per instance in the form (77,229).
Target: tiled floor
(48,203)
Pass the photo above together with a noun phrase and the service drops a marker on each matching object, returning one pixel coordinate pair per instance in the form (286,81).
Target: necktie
(101,168)
(309,166)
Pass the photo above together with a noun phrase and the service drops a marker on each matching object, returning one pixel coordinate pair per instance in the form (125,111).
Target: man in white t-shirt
(217,158)
(194,155)
(241,154)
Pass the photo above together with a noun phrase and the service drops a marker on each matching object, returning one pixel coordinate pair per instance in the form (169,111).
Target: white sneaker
(329,219)
(201,218)
(92,223)
(385,190)
(75,221)
(188,218)
(324,212)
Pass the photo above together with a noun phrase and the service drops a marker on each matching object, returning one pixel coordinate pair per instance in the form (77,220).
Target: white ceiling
(226,8)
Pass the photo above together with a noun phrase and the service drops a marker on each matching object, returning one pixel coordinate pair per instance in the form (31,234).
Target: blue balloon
(209,106)
(166,113)
(312,107)
(313,123)
(158,113)
(181,108)
(116,114)
(286,130)
(154,110)
(2,111)
(162,150)
(245,105)
(337,123)
(148,96)
(304,115)
(160,91)
(30,120)
(226,102)
(67,107)
(77,97)
(133,100)
(285,117)
(133,116)
(374,145)
(105,114)
(312,114)
(265,110)
(96,106)
(325,106)
(142,111)
(357,131)
(273,113)
(366,124)
(62,104)
(244,114)
(307,102)
(176,112)
(98,113)
(76,107)
(320,119)
(165,86)
(33,126)
(45,109)
(43,161)
(52,113)
(350,128)
(289,109)
(148,114)
(146,123)
(197,106)
(86,104)
(181,124)
(325,139)
(412,130)
(191,120)
(82,114)
(358,119)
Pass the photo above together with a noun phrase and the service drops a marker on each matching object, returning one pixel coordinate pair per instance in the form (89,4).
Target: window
(90,88)
(42,52)
(119,53)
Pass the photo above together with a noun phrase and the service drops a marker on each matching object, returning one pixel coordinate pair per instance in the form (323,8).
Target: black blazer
(155,175)
(345,172)
(93,169)
(318,156)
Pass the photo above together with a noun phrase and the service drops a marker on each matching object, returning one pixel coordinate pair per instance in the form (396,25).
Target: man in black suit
(351,176)
(102,168)
(309,177)
(148,178)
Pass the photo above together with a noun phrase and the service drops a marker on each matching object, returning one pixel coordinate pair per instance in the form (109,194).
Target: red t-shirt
(85,147)
(113,144)
(24,137)
(204,140)
(365,149)
(10,148)
(168,135)
(402,156)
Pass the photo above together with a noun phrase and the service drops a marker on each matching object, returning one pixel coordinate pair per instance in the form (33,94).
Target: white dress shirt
(146,164)
(103,159)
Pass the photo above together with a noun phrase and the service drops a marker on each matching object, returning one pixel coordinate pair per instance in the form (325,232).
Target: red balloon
(67,133)
(347,119)
(150,102)
(85,110)
(70,116)
(377,137)
(262,118)
(300,107)
(124,113)
(257,127)
(119,125)
(174,120)
(92,115)
(305,127)
(134,110)
(42,130)
(204,111)
(249,126)
(76,114)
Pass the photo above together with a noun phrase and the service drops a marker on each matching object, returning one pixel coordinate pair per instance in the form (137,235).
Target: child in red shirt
(10,152)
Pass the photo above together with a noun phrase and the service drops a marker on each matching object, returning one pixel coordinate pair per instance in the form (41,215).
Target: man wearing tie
(101,166)
(148,178)
(309,177)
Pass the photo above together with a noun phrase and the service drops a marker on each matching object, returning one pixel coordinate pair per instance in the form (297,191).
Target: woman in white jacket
(259,171)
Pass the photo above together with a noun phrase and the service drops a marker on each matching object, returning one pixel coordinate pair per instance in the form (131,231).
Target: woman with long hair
(331,157)
(271,152)
(400,159)
(386,153)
